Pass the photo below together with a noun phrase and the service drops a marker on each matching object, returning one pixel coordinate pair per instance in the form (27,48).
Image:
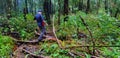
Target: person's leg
(42,33)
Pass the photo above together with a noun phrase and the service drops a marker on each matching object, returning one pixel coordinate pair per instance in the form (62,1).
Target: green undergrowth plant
(112,52)
(104,28)
(25,27)
(6,45)
(69,28)
(53,50)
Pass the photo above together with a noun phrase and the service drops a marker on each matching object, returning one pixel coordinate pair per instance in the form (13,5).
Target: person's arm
(45,23)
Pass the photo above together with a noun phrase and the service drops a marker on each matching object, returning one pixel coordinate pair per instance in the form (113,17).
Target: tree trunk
(8,8)
(80,7)
(66,7)
(59,12)
(88,6)
(25,10)
(106,6)
(98,6)
(47,10)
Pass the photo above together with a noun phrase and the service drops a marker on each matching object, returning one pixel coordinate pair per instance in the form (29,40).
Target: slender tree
(47,10)
(25,10)
(66,7)
(88,6)
(59,12)
(8,8)
(80,5)
(106,6)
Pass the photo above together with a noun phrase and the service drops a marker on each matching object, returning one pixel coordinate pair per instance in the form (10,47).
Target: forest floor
(28,50)
(35,50)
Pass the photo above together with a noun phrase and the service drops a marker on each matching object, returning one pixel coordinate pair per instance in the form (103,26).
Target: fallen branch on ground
(34,55)
(93,40)
(71,54)
(77,46)
(21,41)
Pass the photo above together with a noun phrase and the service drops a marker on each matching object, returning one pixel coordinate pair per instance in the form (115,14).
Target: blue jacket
(39,18)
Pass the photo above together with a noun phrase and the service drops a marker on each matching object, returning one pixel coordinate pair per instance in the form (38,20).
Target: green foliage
(111,52)
(54,51)
(104,29)
(6,45)
(20,25)
(70,27)
(102,26)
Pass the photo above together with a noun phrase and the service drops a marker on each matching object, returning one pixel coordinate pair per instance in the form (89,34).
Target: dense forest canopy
(76,29)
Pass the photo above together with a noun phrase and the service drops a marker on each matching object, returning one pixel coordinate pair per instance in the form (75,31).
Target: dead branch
(93,41)
(56,35)
(34,55)
(21,41)
(78,54)
(77,46)
(86,26)
(71,54)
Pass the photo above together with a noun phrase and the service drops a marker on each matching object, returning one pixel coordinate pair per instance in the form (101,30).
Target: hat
(39,10)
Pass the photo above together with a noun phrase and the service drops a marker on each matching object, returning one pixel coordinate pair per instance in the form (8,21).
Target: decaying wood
(56,35)
(34,55)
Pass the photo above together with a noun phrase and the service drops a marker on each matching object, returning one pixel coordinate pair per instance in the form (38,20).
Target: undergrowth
(6,45)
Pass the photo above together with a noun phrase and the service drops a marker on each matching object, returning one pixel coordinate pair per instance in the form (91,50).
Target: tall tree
(80,6)
(59,11)
(25,10)
(88,6)
(66,7)
(106,6)
(8,8)
(98,5)
(47,10)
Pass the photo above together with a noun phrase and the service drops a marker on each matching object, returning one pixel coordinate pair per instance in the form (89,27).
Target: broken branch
(34,55)
(56,35)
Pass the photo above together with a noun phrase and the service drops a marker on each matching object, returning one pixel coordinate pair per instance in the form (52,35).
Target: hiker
(41,24)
